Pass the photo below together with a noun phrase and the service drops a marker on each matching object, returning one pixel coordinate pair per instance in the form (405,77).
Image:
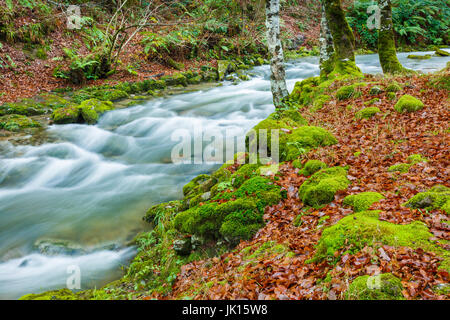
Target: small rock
(182,247)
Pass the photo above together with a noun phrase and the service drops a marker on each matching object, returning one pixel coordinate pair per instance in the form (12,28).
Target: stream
(93,184)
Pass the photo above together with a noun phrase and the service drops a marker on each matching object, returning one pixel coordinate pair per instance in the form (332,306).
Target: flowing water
(92,184)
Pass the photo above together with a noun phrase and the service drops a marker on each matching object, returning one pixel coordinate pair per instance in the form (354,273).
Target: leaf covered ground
(276,263)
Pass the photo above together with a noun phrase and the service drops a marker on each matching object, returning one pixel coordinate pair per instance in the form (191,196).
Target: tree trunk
(277,77)
(326,46)
(343,39)
(386,43)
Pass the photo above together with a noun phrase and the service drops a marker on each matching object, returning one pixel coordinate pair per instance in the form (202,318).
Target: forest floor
(369,147)
(31,76)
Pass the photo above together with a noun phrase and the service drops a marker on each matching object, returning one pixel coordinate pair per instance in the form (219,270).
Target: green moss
(245,172)
(393,87)
(321,187)
(92,109)
(193,185)
(347,92)
(175,79)
(26,107)
(70,114)
(320,101)
(63,294)
(409,104)
(304,139)
(16,122)
(53,101)
(238,218)
(312,166)
(380,287)
(419,57)
(411,161)
(442,53)
(110,95)
(367,113)
(358,230)
(87,112)
(437,197)
(285,122)
(162,210)
(391,95)
(362,201)
(373,101)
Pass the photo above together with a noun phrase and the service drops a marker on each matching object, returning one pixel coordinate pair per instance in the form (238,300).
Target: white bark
(326,45)
(277,77)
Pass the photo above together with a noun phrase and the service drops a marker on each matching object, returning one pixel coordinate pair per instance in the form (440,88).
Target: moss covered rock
(410,161)
(379,287)
(362,201)
(26,107)
(393,87)
(437,197)
(364,228)
(312,166)
(15,122)
(367,113)
(63,294)
(237,218)
(87,112)
(408,103)
(303,139)
(419,57)
(321,187)
(92,109)
(70,114)
(110,95)
(442,53)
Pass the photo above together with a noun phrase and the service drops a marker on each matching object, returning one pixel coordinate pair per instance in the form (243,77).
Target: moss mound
(347,92)
(410,161)
(312,166)
(16,122)
(393,87)
(380,287)
(87,112)
(419,57)
(321,187)
(442,53)
(26,107)
(437,197)
(367,113)
(362,201)
(364,228)
(304,139)
(408,103)
(63,294)
(238,218)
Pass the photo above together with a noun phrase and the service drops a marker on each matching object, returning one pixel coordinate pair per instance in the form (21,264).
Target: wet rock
(197,241)
(182,247)
(295,42)
(53,247)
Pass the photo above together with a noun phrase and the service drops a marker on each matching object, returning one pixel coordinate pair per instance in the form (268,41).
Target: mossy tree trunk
(326,46)
(343,39)
(386,43)
(277,77)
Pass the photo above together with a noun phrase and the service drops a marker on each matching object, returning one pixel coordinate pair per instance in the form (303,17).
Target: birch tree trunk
(326,46)
(386,43)
(277,77)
